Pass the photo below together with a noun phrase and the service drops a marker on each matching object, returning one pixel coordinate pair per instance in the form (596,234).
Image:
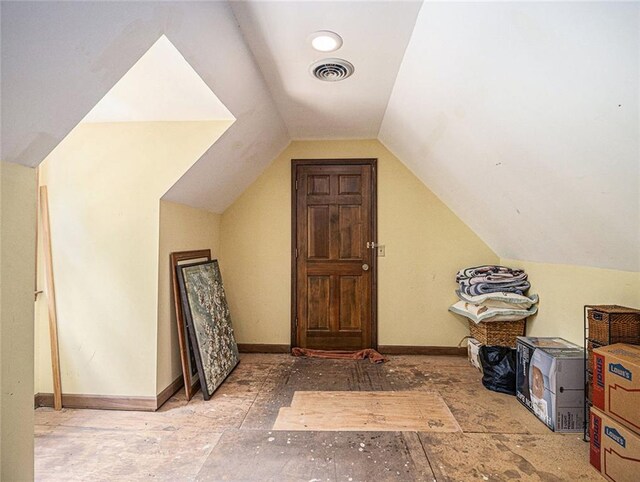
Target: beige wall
(17,271)
(565,289)
(105,182)
(182,228)
(425,246)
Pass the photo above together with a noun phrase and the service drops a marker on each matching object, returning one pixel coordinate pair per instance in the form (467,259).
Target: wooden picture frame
(187,357)
(206,312)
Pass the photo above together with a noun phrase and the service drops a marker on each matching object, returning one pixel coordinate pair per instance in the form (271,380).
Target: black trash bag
(499,368)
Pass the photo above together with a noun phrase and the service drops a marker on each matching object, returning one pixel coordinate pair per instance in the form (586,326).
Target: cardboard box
(550,381)
(614,449)
(473,353)
(616,383)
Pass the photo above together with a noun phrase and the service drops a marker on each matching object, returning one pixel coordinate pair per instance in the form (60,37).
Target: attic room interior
(320,240)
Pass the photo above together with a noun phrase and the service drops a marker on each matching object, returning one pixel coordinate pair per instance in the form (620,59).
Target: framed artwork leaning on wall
(187,358)
(206,314)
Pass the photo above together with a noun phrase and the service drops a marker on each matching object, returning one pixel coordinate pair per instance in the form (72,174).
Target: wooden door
(333,254)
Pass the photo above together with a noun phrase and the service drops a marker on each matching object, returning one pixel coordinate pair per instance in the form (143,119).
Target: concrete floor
(230,437)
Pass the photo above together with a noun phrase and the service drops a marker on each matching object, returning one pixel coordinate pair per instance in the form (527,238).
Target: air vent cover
(331,70)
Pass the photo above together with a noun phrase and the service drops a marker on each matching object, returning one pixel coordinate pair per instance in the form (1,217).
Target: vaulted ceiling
(523,117)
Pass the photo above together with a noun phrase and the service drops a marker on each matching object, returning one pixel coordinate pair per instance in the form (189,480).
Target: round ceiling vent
(331,70)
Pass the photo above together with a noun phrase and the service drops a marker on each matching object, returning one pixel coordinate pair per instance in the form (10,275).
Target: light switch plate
(380,251)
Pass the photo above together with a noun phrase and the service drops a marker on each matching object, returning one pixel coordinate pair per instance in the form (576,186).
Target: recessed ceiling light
(325,41)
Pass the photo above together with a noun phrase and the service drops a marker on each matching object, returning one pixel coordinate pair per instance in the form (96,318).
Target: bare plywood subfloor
(367,411)
(230,437)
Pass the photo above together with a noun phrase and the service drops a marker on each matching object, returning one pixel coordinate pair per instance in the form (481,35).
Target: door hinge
(296,185)
(296,253)
(296,322)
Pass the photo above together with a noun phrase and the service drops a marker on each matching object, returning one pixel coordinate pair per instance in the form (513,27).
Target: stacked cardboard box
(550,381)
(614,422)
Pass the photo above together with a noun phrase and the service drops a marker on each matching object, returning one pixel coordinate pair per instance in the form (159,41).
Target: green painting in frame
(206,313)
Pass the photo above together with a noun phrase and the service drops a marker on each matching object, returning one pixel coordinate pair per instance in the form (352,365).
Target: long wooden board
(51,298)
(367,411)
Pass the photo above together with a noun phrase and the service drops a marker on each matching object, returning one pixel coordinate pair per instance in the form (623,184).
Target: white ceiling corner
(161,86)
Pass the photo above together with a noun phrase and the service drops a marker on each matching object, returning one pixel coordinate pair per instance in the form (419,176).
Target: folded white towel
(500,299)
(481,313)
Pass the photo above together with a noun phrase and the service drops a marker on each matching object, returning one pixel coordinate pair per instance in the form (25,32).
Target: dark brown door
(333,259)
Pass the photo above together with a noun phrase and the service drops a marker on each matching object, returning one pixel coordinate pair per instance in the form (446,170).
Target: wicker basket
(501,333)
(610,324)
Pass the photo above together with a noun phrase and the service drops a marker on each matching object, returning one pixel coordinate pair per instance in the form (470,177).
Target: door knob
(365,267)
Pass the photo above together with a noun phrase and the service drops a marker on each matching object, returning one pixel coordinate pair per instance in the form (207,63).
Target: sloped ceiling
(523,117)
(60,58)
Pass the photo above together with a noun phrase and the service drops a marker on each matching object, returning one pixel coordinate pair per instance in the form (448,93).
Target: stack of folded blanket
(491,279)
(494,293)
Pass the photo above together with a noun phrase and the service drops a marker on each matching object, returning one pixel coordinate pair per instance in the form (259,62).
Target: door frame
(295,163)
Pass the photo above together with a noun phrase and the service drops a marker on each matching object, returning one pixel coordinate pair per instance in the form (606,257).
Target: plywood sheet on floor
(366,411)
(298,374)
(333,456)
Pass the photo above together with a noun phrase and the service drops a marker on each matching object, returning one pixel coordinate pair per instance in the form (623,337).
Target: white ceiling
(60,58)
(523,117)
(161,86)
(375,35)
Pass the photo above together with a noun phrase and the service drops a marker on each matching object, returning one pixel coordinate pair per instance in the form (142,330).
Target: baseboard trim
(169,392)
(263,348)
(108,402)
(422,350)
(386,349)
(98,402)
